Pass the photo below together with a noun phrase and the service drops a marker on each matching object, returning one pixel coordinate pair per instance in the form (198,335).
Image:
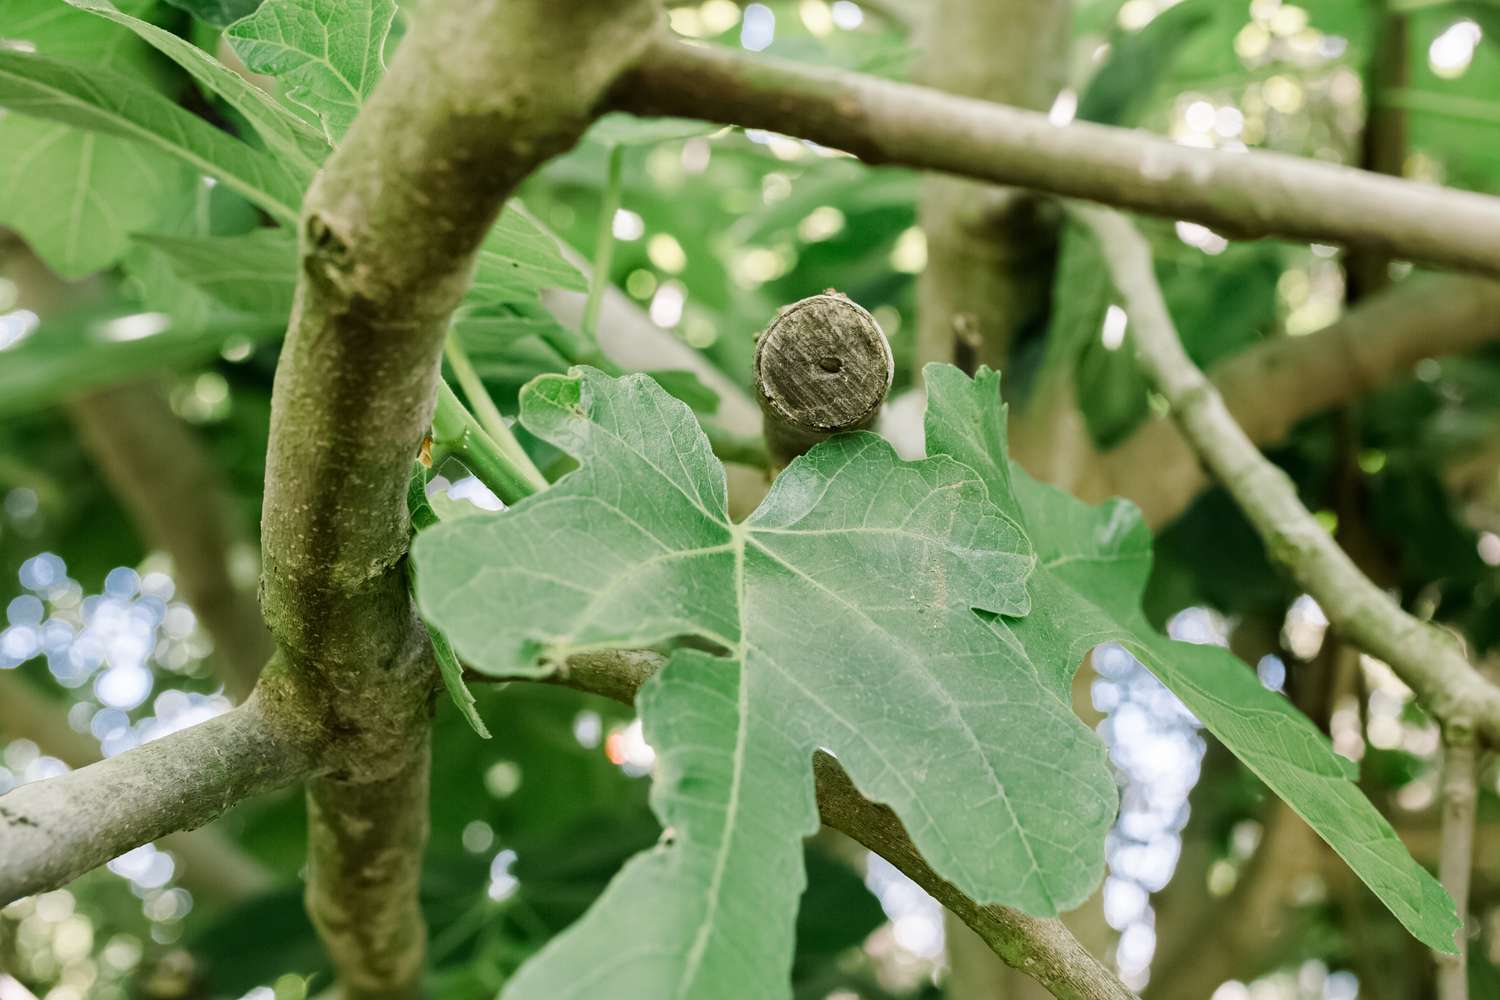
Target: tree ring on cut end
(822,367)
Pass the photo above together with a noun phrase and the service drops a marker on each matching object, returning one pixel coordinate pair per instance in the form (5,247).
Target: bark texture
(476,97)
(990,251)
(55,830)
(1244,195)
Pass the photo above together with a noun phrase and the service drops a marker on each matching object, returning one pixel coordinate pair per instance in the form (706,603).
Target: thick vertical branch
(1456,862)
(477,96)
(990,250)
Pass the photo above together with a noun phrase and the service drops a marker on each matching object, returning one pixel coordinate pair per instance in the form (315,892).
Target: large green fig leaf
(1094,564)
(845,610)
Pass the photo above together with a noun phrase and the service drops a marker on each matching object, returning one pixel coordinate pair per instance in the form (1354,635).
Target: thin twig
(488,414)
(1428,660)
(1456,862)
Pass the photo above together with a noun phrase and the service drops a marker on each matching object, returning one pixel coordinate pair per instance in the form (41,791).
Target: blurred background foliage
(708,231)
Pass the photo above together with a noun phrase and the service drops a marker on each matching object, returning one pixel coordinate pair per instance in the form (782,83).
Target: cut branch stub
(824,366)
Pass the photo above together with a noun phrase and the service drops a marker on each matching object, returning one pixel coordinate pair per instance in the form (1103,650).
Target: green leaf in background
(96,99)
(218,13)
(250,273)
(1137,61)
(104,344)
(517,258)
(282,131)
(1115,95)
(1094,564)
(76,197)
(326,54)
(929,706)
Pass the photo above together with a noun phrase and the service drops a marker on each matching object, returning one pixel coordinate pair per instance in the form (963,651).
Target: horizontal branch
(1273,386)
(57,829)
(1427,659)
(1042,948)
(211,863)
(1247,195)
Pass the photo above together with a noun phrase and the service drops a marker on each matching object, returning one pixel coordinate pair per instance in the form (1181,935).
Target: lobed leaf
(845,611)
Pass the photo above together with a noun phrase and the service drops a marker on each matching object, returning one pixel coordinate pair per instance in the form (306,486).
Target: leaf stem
(604,242)
(455,431)
(488,419)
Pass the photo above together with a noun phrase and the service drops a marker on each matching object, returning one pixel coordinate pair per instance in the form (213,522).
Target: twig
(1456,861)
(1428,660)
(1248,195)
(490,423)
(212,864)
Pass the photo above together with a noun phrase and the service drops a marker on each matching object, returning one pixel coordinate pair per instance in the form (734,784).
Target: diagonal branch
(57,829)
(212,863)
(1428,660)
(1271,387)
(1244,194)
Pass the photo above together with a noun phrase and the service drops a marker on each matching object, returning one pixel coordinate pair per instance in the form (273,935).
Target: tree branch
(1428,660)
(990,251)
(475,98)
(57,829)
(1247,195)
(212,864)
(167,481)
(1456,863)
(1271,387)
